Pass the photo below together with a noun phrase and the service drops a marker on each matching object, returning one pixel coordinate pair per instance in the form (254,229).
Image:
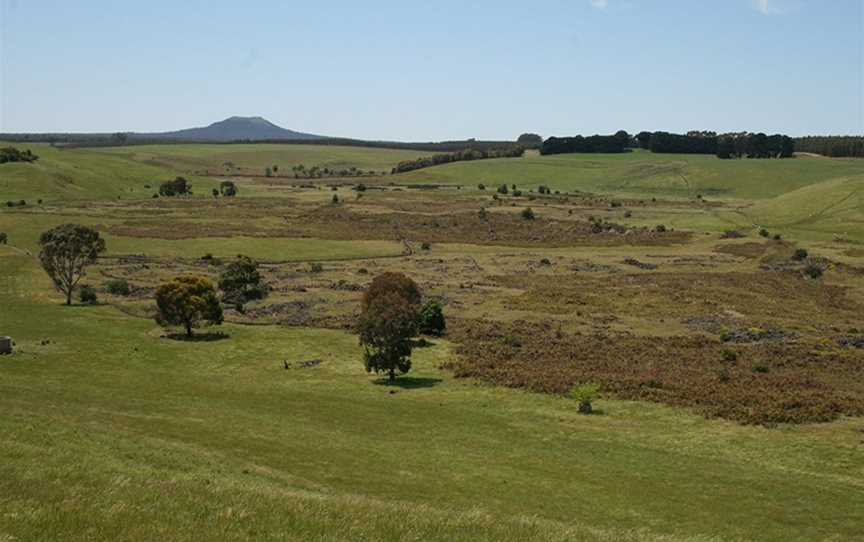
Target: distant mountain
(231,129)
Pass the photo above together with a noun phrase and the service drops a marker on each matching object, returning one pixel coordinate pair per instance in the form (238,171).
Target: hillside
(232,129)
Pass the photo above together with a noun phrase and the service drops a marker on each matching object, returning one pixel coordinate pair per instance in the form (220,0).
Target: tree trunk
(69,297)
(392,374)
(188,329)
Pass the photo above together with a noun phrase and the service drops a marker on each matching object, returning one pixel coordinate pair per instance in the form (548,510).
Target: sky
(426,71)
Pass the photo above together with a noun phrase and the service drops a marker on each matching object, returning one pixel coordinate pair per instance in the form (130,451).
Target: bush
(503,189)
(3,238)
(729,355)
(228,189)
(432,318)
(528,214)
(335,199)
(661,228)
(215,193)
(360,187)
(118,287)
(481,186)
(178,187)
(814,269)
(517,193)
(763,232)
(425,245)
(87,294)
(585,395)
(316,267)
(800,255)
(482,214)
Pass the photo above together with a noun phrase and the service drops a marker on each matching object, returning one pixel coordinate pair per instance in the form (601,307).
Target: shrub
(585,395)
(87,294)
(729,355)
(545,261)
(360,187)
(268,172)
(316,267)
(503,189)
(4,238)
(482,214)
(335,199)
(660,228)
(528,214)
(800,255)
(215,193)
(760,368)
(763,232)
(178,187)
(425,245)
(118,287)
(814,269)
(517,193)
(432,318)
(481,186)
(228,189)
(627,214)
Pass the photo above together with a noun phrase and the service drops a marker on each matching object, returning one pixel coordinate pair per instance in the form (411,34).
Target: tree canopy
(387,323)
(65,253)
(188,302)
(241,281)
(178,187)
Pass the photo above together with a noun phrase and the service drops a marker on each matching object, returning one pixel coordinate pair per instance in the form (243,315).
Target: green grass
(254,158)
(644,174)
(110,432)
(123,172)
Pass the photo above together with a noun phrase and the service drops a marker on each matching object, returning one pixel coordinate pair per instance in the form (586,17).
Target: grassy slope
(255,158)
(122,172)
(643,173)
(110,432)
(809,197)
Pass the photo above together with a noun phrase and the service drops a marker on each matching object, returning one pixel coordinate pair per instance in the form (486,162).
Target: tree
(528,213)
(241,281)
(178,187)
(66,251)
(188,301)
(530,139)
(387,323)
(432,318)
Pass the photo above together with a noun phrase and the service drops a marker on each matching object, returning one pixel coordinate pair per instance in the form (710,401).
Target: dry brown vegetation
(728,326)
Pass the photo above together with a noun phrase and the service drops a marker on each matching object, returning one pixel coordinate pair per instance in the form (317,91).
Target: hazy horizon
(390,71)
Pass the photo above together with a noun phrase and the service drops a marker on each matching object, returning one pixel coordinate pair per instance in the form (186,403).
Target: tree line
(836,146)
(463,155)
(596,143)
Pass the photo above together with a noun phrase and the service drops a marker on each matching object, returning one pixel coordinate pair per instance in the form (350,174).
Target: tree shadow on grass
(198,337)
(408,382)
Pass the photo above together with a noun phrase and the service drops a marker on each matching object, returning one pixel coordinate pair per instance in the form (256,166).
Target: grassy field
(112,430)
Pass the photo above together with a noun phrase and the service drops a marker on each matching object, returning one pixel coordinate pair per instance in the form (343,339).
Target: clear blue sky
(435,70)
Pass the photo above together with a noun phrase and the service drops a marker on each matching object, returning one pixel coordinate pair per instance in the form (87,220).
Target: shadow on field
(198,337)
(408,382)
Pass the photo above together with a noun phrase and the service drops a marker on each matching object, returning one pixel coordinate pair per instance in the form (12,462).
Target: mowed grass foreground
(110,432)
